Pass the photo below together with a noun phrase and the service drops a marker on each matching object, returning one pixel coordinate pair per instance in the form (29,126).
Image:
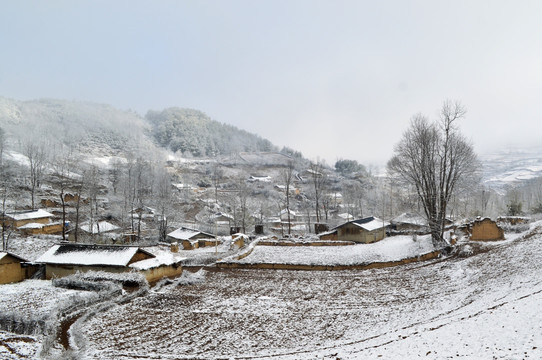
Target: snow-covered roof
(409,218)
(100,227)
(373,224)
(262,178)
(221,215)
(186,233)
(4,254)
(144,209)
(79,254)
(369,223)
(29,215)
(346,216)
(285,212)
(164,258)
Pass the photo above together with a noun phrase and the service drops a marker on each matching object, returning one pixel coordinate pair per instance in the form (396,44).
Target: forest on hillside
(103,128)
(193,133)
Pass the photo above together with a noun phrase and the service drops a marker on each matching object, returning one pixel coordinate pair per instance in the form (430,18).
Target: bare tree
(36,154)
(164,201)
(2,145)
(437,160)
(5,190)
(243,196)
(217,174)
(62,163)
(287,177)
(319,181)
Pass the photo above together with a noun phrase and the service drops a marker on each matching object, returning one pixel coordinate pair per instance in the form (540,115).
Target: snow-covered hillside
(511,166)
(481,306)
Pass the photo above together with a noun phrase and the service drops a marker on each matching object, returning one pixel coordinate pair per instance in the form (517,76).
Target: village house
(66,259)
(259,178)
(221,218)
(293,215)
(37,228)
(21,218)
(33,222)
(366,230)
(146,213)
(346,217)
(486,230)
(409,223)
(97,231)
(11,268)
(191,239)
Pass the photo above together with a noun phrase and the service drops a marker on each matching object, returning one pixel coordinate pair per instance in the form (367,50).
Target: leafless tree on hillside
(5,190)
(36,153)
(287,176)
(319,180)
(62,163)
(436,159)
(2,145)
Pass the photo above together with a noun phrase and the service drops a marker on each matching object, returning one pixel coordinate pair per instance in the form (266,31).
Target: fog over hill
(104,130)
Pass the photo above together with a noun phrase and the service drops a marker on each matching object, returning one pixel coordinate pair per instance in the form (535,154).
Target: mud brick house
(191,238)
(11,269)
(366,230)
(486,229)
(37,228)
(21,218)
(66,259)
(98,231)
(410,224)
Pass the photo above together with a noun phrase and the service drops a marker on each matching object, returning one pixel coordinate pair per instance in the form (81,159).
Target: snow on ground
(390,249)
(479,306)
(35,298)
(13,346)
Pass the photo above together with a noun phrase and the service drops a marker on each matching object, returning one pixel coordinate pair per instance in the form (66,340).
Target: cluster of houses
(69,257)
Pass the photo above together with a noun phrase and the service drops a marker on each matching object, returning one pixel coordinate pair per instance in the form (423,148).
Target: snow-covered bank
(390,249)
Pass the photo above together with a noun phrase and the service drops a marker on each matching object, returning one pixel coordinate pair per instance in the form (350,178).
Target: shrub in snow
(519,228)
(188,278)
(465,251)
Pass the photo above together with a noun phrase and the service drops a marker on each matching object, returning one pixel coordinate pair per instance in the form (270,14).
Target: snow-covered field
(390,249)
(482,306)
(35,307)
(35,298)
(482,303)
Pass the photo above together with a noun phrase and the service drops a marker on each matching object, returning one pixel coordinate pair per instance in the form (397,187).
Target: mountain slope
(193,132)
(101,129)
(84,125)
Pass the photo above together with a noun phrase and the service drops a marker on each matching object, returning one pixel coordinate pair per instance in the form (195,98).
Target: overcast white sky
(332,79)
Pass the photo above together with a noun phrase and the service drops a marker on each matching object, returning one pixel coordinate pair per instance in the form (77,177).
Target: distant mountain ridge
(511,166)
(103,129)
